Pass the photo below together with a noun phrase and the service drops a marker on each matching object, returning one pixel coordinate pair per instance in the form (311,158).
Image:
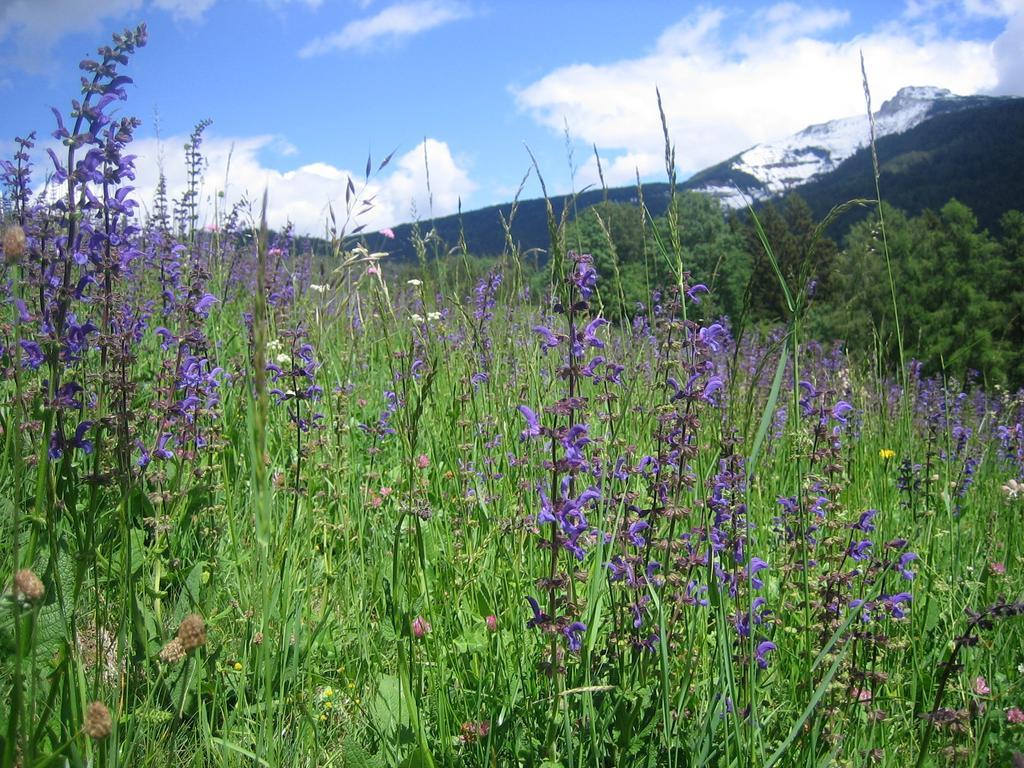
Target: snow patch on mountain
(779,166)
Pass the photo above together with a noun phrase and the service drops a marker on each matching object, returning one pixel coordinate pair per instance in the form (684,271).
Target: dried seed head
(192,632)
(173,652)
(97,721)
(257,639)
(15,244)
(28,585)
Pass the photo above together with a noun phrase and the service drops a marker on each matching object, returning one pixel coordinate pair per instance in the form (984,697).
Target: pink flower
(473,731)
(862,695)
(423,461)
(1014,715)
(373,269)
(420,627)
(492,623)
(997,568)
(388,233)
(981,687)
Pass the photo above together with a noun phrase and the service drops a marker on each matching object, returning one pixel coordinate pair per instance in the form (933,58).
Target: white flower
(283,359)
(414,282)
(433,316)
(273,345)
(1012,489)
(319,288)
(418,319)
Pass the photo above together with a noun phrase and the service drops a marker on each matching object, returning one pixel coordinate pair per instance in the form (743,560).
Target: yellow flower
(328,692)
(886,453)
(238,666)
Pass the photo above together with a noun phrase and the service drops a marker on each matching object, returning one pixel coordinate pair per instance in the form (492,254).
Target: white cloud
(996,9)
(1009,60)
(302,194)
(775,77)
(312,4)
(393,23)
(29,29)
(192,10)
(792,20)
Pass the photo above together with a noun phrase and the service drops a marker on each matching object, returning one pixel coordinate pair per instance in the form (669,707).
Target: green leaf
(354,756)
(387,704)
(415,760)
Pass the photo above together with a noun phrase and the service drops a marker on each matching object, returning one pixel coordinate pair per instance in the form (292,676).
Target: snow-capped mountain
(776,167)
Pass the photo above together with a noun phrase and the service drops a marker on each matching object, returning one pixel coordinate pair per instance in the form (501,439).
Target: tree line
(958,287)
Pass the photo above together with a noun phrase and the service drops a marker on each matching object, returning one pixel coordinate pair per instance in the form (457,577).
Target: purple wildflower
(761,652)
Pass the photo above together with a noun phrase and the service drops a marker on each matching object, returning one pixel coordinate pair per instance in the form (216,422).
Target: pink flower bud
(492,623)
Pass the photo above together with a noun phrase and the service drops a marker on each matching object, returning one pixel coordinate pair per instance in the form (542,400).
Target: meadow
(265,507)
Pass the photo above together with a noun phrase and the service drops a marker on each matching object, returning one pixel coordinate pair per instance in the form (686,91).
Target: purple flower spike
(633,533)
(755,566)
(905,560)
(714,384)
(532,423)
(895,604)
(695,291)
(574,634)
(32,356)
(548,338)
(585,276)
(590,332)
(763,648)
(539,617)
(865,524)
(202,307)
(841,410)
(79,440)
(859,550)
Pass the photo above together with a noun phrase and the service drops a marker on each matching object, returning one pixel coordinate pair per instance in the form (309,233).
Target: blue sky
(300,91)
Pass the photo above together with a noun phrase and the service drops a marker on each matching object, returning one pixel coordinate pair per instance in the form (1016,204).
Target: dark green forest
(958,288)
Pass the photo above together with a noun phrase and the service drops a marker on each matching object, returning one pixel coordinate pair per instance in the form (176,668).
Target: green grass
(310,658)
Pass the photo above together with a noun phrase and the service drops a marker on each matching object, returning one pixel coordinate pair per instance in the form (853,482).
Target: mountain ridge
(830,158)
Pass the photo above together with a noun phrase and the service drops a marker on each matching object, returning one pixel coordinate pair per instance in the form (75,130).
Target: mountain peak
(913,95)
(775,167)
